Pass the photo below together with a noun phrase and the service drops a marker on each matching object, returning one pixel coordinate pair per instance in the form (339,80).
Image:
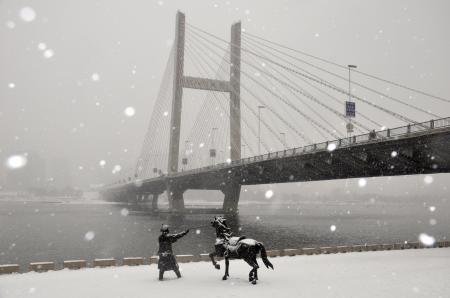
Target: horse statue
(237,248)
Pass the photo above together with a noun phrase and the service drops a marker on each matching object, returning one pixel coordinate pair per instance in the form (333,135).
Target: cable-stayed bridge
(274,114)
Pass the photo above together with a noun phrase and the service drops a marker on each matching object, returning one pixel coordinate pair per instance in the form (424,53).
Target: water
(32,231)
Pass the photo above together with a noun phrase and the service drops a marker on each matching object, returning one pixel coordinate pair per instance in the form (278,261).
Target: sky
(70,69)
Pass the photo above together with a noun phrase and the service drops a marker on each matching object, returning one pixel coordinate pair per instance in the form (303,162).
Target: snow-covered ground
(408,273)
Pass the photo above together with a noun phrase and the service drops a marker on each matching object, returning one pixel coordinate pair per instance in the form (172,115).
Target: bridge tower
(180,81)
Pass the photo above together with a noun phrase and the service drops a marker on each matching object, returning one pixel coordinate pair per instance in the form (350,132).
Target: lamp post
(212,150)
(283,139)
(259,128)
(350,106)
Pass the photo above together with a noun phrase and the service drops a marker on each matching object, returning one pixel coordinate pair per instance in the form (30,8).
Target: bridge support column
(176,200)
(155,201)
(231,199)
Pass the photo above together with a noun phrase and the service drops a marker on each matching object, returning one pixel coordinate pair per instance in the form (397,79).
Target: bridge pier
(176,200)
(231,198)
(155,197)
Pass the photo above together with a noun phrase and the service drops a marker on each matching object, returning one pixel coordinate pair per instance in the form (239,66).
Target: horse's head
(222,230)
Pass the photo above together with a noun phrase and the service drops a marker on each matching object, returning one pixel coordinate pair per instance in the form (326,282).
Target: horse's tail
(264,256)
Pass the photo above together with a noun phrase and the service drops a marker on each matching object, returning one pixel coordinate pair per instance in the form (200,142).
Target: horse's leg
(227,265)
(256,269)
(211,256)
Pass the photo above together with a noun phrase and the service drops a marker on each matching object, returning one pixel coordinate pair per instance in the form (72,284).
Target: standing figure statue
(167,260)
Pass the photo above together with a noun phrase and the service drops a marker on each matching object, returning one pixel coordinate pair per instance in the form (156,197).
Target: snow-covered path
(408,273)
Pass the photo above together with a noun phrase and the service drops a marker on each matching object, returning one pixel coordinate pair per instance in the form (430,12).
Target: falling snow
(16,162)
(428,179)
(332,228)
(426,239)
(95,77)
(362,182)
(41,46)
(124,212)
(49,53)
(331,147)
(268,194)
(129,111)
(89,236)
(27,14)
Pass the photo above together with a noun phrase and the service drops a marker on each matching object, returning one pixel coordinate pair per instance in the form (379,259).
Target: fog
(68,75)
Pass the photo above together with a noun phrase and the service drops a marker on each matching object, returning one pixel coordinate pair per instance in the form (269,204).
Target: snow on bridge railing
(339,143)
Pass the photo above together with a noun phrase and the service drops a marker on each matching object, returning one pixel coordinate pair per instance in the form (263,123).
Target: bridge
(311,133)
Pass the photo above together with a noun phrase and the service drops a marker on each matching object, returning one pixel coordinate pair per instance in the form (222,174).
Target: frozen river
(57,231)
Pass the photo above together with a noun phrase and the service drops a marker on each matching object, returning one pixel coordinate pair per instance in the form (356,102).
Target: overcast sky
(69,69)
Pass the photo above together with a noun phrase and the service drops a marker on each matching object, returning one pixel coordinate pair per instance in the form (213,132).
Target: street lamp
(349,105)
(259,128)
(212,150)
(283,139)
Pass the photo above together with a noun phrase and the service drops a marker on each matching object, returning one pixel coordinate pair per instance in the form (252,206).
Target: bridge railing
(339,143)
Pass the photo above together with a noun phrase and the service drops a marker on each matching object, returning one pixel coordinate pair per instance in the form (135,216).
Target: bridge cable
(355,70)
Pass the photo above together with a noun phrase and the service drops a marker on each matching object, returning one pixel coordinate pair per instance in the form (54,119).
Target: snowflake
(362,182)
(102,163)
(394,154)
(16,161)
(49,53)
(27,14)
(426,240)
(269,194)
(331,147)
(12,85)
(129,111)
(124,212)
(197,231)
(428,179)
(95,77)
(332,228)
(41,46)
(90,235)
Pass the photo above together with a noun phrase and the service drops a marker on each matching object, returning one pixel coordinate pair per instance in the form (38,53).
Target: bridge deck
(420,148)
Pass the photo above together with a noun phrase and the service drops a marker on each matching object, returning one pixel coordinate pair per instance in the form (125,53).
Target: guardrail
(102,263)
(375,136)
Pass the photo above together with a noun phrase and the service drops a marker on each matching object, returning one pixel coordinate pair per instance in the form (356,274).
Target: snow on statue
(167,260)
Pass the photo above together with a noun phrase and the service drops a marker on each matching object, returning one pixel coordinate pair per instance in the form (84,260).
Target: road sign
(350,109)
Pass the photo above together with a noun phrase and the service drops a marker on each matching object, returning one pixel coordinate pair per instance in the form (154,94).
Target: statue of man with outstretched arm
(167,260)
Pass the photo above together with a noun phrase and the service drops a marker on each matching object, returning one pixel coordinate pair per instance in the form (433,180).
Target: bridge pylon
(180,81)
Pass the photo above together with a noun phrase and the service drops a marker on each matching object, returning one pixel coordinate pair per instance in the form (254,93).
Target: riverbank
(402,273)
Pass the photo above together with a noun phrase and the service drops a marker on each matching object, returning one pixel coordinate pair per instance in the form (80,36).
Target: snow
(408,273)
(16,161)
(90,235)
(362,182)
(428,179)
(49,53)
(27,14)
(269,194)
(129,111)
(95,77)
(426,239)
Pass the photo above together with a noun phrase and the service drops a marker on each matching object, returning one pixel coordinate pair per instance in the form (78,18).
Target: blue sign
(350,109)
